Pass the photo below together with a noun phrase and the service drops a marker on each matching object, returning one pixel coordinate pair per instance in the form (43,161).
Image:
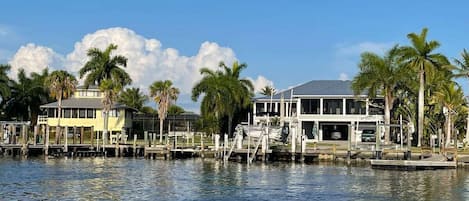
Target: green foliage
(175,110)
(27,95)
(133,97)
(224,92)
(102,66)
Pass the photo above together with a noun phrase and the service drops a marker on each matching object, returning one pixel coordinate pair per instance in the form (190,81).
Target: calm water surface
(197,179)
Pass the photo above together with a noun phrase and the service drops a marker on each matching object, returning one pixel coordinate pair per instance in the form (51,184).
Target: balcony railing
(41,119)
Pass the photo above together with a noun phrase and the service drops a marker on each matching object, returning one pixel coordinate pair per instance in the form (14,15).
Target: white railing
(41,119)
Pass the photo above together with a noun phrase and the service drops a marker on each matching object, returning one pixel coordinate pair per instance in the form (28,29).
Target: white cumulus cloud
(343,76)
(34,58)
(357,49)
(148,60)
(260,82)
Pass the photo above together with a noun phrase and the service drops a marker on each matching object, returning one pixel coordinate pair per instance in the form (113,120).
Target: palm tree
(268,91)
(420,57)
(225,92)
(450,96)
(27,95)
(164,94)
(133,97)
(5,91)
(462,68)
(61,85)
(102,68)
(213,104)
(111,90)
(380,74)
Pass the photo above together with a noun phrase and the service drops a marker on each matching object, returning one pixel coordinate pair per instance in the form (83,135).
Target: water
(197,179)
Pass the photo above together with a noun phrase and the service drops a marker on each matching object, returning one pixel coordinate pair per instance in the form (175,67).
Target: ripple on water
(139,179)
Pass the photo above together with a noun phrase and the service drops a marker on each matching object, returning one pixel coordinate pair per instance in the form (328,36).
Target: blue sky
(284,43)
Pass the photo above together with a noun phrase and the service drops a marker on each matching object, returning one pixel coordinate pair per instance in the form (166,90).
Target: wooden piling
(135,145)
(66,139)
(92,135)
(73,134)
(46,147)
(202,145)
(24,147)
(36,129)
(145,138)
(82,134)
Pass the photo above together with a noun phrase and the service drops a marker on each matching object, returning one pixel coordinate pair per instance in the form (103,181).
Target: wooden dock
(412,164)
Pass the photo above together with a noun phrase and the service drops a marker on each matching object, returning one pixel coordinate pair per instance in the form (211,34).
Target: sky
(284,43)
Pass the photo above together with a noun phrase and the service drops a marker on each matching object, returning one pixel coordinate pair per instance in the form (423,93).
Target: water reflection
(139,179)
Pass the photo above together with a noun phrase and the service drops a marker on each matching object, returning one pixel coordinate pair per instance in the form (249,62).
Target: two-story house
(84,109)
(322,109)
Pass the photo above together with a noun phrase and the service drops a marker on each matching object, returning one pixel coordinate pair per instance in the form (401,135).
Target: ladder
(259,141)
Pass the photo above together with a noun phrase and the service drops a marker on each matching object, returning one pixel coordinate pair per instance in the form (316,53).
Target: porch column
(321,106)
(344,109)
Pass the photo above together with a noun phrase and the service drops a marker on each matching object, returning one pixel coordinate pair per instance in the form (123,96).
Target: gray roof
(91,103)
(89,87)
(317,88)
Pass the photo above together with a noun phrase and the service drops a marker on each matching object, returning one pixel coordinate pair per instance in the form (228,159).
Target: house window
(90,113)
(309,106)
(74,113)
(67,113)
(376,107)
(82,113)
(114,113)
(333,106)
(355,107)
(260,109)
(51,113)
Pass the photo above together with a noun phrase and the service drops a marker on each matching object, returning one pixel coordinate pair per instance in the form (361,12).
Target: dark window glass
(67,113)
(82,113)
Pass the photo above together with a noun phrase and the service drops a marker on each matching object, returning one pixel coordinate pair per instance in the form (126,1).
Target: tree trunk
(59,115)
(161,130)
(421,104)
(448,131)
(230,119)
(467,130)
(105,130)
(387,120)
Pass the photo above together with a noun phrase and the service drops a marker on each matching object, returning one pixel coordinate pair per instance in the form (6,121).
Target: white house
(322,109)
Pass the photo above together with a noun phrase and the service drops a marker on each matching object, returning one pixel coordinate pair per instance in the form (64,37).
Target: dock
(412,164)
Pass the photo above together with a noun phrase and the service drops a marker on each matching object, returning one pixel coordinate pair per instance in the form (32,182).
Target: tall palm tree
(213,104)
(225,92)
(450,96)
(61,85)
(133,97)
(104,68)
(420,57)
(462,70)
(110,90)
(380,74)
(164,95)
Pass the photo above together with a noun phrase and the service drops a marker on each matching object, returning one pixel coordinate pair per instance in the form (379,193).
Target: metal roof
(91,103)
(316,88)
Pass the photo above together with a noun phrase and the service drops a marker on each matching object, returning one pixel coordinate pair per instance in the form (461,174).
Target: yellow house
(84,109)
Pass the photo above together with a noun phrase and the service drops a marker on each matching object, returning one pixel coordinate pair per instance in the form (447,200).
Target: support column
(293,143)
(82,134)
(66,139)
(46,146)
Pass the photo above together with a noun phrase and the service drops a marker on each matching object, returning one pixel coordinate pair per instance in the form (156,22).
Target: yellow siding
(115,123)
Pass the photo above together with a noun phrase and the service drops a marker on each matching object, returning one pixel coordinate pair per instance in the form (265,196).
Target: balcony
(42,120)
